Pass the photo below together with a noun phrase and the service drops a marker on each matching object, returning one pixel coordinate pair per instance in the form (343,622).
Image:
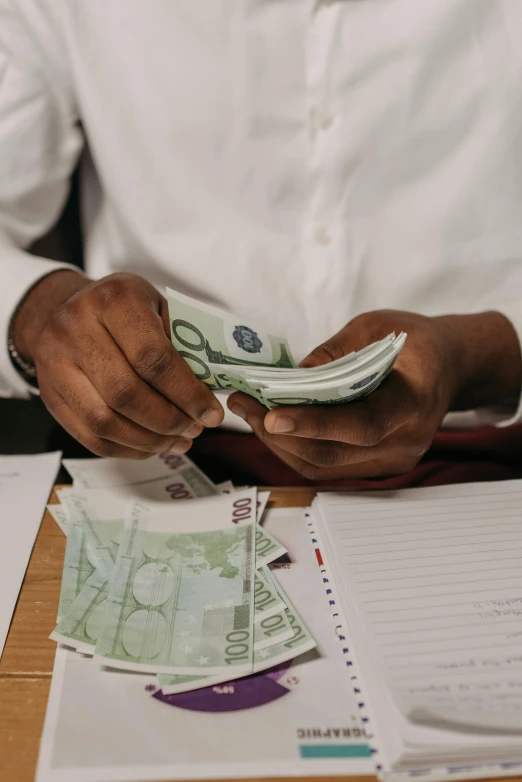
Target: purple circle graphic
(247,693)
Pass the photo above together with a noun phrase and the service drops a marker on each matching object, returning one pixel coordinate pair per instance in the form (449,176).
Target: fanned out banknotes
(167,573)
(231,352)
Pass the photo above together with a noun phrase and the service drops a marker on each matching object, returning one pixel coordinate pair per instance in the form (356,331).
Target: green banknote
(352,376)
(269,651)
(79,564)
(300,642)
(267,547)
(100,512)
(112,472)
(181,593)
(203,335)
(172,683)
(272,630)
(83,623)
(100,515)
(267,601)
(268,632)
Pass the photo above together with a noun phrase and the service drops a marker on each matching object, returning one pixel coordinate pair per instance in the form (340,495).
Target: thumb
(350,338)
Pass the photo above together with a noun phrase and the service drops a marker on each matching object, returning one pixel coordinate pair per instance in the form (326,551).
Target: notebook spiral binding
(349,661)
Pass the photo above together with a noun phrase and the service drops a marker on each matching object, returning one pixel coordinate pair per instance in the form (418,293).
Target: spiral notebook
(425,586)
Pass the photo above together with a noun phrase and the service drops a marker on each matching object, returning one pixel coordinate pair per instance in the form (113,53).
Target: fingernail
(240,411)
(194,430)
(280,425)
(211,417)
(180,447)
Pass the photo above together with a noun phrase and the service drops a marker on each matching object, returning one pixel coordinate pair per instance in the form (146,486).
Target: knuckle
(124,392)
(67,317)
(153,361)
(100,421)
(111,291)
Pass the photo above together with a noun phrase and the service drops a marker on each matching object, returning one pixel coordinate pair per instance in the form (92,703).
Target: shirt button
(322,236)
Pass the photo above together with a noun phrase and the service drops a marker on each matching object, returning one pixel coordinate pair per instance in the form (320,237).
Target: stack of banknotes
(231,352)
(167,573)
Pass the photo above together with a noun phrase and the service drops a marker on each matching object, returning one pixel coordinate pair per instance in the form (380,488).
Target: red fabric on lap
(455,457)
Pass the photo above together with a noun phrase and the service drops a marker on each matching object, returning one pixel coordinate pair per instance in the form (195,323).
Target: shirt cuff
(19,271)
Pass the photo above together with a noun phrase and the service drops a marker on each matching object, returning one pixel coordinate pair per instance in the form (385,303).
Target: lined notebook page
(434,578)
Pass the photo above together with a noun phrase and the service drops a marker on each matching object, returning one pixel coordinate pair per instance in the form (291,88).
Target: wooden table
(27,662)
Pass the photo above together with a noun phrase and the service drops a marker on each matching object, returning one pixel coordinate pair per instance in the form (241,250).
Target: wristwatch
(25,368)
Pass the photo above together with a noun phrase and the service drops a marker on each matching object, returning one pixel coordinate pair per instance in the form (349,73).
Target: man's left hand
(388,432)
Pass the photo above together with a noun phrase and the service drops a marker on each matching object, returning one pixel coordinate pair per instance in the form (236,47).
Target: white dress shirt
(300,161)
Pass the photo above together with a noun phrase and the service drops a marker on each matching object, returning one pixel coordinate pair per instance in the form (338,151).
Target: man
(336,167)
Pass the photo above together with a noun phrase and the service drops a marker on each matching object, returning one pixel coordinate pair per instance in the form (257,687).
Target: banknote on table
(298,643)
(105,726)
(181,593)
(268,604)
(97,523)
(95,519)
(111,472)
(269,632)
(79,565)
(228,351)
(101,511)
(80,627)
(267,599)
(99,514)
(281,637)
(267,547)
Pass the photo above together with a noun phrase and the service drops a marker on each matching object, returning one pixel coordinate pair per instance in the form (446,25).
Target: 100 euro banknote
(271,651)
(181,593)
(203,335)
(112,472)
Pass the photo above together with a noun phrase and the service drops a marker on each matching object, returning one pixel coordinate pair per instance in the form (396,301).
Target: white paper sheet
(25,485)
(302,720)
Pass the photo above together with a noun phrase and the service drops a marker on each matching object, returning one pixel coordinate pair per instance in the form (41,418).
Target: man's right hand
(106,368)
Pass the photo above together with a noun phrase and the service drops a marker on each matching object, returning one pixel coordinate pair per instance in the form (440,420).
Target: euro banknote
(180,595)
(228,351)
(205,335)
